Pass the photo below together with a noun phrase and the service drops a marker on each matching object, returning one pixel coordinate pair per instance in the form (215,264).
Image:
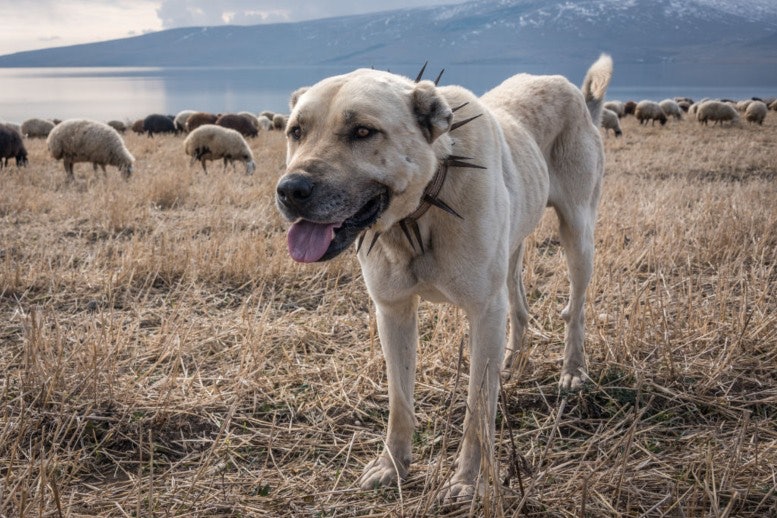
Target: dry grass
(160,354)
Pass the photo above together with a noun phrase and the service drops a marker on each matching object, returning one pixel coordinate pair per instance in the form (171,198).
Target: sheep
(137,127)
(743,104)
(253,119)
(267,114)
(14,125)
(37,128)
(686,100)
(279,121)
(717,111)
(239,123)
(649,111)
(684,105)
(118,126)
(211,142)
(181,118)
(616,107)
(756,112)
(197,119)
(158,123)
(671,108)
(610,122)
(11,146)
(629,107)
(773,106)
(84,140)
(264,122)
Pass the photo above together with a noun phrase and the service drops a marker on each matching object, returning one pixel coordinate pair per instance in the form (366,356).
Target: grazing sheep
(649,111)
(14,125)
(196,120)
(743,104)
(37,128)
(629,107)
(83,140)
(212,142)
(773,106)
(253,119)
(616,107)
(180,120)
(671,108)
(718,112)
(687,100)
(137,127)
(610,122)
(158,123)
(264,123)
(756,112)
(279,121)
(267,114)
(11,146)
(684,105)
(118,126)
(238,123)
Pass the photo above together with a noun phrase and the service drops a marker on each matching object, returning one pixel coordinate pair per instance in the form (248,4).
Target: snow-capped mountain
(508,31)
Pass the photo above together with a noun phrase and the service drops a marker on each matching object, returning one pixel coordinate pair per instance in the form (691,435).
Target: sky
(37,24)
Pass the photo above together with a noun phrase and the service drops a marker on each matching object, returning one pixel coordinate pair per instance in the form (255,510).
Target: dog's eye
(295,133)
(362,132)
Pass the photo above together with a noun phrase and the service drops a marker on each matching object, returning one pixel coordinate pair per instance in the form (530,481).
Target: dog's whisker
(437,202)
(437,80)
(421,73)
(462,123)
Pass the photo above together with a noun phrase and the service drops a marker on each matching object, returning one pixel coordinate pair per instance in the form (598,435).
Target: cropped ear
(296,95)
(431,110)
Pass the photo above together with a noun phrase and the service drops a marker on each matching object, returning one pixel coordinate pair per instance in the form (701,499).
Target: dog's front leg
(487,331)
(398,332)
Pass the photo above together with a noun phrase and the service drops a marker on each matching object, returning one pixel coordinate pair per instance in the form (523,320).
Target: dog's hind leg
(398,333)
(576,229)
(519,312)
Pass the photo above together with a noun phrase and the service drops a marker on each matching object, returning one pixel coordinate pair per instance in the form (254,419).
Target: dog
(438,189)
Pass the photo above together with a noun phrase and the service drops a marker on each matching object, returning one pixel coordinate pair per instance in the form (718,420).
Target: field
(161,355)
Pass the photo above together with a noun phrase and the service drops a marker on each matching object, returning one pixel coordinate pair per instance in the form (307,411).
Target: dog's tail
(595,84)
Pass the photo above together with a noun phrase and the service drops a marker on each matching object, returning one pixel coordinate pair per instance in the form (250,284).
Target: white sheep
(670,107)
(773,105)
(756,112)
(180,120)
(211,142)
(37,128)
(279,121)
(716,111)
(265,123)
(83,140)
(743,104)
(618,107)
(610,122)
(649,111)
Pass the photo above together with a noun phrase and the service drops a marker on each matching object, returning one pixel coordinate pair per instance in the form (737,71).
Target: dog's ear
(432,111)
(296,95)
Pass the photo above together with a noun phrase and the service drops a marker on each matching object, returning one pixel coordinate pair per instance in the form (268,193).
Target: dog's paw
(379,473)
(457,491)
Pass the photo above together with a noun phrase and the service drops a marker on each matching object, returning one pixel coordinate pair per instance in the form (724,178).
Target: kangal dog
(439,188)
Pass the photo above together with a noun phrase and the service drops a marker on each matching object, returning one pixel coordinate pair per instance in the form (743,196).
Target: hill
(516,31)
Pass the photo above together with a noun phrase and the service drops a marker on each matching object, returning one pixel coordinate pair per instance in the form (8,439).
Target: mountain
(498,32)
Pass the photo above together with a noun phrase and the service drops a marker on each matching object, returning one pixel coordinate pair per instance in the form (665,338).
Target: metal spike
(417,232)
(403,226)
(437,81)
(459,107)
(455,162)
(437,202)
(374,240)
(360,241)
(421,73)
(462,123)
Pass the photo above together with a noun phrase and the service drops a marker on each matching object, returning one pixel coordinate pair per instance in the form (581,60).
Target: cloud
(187,13)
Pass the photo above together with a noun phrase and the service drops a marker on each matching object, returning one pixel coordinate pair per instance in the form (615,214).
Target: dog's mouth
(310,241)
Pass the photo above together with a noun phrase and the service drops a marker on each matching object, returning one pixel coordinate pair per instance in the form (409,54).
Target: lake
(106,93)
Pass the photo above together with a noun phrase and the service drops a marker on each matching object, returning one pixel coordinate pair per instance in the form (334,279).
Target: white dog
(440,203)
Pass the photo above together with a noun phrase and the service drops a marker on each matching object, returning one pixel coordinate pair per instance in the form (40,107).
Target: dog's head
(360,151)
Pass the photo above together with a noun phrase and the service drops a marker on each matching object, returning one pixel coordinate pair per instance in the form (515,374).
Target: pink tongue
(309,241)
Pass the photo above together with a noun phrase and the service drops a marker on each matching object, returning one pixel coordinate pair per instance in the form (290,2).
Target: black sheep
(158,123)
(238,123)
(11,146)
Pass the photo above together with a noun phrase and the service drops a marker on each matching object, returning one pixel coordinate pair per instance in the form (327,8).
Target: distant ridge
(518,31)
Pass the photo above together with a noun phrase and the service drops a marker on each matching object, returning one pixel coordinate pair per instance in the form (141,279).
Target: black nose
(294,189)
